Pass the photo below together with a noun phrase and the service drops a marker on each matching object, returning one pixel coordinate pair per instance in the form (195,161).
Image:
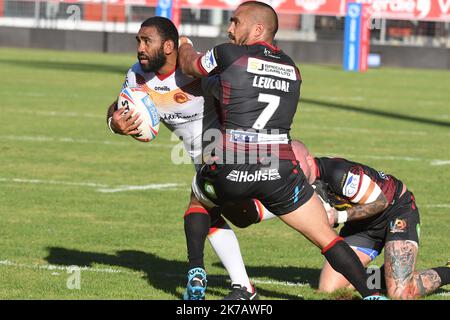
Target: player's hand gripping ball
(137,100)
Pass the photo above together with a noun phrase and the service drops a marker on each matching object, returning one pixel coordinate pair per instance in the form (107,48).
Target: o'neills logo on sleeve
(260,175)
(263,67)
(208,61)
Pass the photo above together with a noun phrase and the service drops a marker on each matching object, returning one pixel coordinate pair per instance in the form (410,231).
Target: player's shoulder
(229,47)
(336,168)
(137,70)
(136,76)
(332,162)
(228,52)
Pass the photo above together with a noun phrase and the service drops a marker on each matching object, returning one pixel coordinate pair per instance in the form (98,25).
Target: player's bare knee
(327,287)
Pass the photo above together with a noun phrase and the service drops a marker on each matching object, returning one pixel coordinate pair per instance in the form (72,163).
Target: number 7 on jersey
(273,102)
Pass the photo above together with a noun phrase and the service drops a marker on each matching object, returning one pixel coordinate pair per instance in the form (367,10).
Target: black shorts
(280,189)
(402,223)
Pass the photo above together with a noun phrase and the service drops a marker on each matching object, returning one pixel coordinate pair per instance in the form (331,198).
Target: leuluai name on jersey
(180,102)
(269,83)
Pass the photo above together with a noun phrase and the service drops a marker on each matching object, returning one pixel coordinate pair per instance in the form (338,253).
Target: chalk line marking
(440,162)
(50,267)
(365,130)
(438,205)
(85,141)
(61,114)
(433,162)
(144,187)
(104,188)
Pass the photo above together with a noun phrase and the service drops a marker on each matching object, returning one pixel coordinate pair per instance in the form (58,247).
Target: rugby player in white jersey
(186,111)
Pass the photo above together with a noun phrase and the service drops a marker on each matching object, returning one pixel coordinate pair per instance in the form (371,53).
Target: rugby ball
(137,100)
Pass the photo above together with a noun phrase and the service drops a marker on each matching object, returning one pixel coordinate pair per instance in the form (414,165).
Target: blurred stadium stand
(106,25)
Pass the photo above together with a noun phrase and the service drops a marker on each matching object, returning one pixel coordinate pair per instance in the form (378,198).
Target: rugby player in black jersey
(258,88)
(378,211)
(187,112)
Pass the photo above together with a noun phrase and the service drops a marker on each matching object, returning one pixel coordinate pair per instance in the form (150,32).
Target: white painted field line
(433,162)
(445,294)
(390,158)
(144,187)
(83,141)
(280,283)
(66,183)
(440,162)
(61,114)
(365,130)
(101,187)
(368,130)
(438,205)
(50,267)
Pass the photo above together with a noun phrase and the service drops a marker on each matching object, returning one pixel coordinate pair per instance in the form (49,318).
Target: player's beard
(242,40)
(154,63)
(231,37)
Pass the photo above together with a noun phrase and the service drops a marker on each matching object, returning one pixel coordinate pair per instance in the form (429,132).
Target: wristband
(109,125)
(342,216)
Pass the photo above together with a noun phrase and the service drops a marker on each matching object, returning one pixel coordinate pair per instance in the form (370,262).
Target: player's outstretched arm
(121,121)
(188,59)
(362,211)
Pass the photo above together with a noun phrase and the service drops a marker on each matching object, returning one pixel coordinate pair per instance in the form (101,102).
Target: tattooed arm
(360,211)
(364,211)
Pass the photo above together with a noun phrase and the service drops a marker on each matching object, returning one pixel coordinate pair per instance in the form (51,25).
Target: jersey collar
(163,77)
(317,171)
(265,44)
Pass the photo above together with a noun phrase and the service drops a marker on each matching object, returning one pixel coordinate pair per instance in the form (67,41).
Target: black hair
(165,27)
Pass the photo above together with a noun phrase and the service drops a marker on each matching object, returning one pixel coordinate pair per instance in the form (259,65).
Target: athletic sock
(444,274)
(264,213)
(196,228)
(345,261)
(226,246)
(383,278)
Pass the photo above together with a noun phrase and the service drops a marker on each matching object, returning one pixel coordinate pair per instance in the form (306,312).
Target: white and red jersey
(181,102)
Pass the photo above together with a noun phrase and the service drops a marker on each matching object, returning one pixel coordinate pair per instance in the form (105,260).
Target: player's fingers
(134,125)
(133,132)
(135,117)
(121,112)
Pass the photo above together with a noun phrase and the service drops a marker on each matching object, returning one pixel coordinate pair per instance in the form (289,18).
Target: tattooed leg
(401,280)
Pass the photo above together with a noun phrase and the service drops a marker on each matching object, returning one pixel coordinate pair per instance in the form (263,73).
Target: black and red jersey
(258,87)
(357,183)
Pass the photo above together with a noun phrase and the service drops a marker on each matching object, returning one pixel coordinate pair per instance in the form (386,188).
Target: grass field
(59,160)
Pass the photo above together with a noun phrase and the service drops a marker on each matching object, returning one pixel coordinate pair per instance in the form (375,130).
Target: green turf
(53,131)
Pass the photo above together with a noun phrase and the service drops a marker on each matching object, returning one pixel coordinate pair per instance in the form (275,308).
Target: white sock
(264,213)
(226,245)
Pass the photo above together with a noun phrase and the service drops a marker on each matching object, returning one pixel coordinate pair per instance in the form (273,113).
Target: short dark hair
(166,28)
(268,8)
